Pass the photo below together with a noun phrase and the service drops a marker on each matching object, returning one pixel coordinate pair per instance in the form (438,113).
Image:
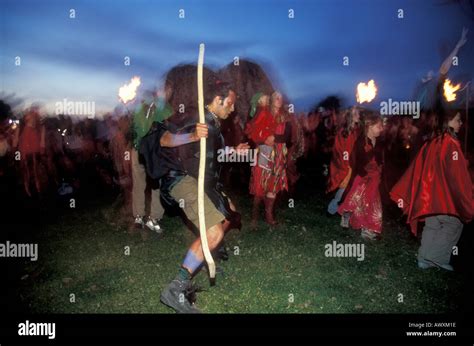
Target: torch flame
(450,90)
(128,91)
(366,92)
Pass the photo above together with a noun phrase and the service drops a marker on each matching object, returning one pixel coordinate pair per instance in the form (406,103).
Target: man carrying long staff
(178,182)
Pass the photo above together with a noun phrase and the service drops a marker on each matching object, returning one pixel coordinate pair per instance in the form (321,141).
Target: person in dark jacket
(177,176)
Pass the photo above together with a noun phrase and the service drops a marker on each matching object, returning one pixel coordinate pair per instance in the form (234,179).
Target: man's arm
(175,140)
(449,60)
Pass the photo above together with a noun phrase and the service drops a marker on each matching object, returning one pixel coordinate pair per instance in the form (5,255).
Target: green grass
(84,254)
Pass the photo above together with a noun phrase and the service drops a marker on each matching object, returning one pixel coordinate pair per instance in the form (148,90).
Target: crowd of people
(370,163)
(417,164)
(48,154)
(57,154)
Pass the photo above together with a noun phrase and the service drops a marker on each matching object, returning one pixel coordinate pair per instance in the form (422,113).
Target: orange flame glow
(450,90)
(129,91)
(366,92)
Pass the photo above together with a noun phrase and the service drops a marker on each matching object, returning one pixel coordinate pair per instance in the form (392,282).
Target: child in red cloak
(340,168)
(362,207)
(437,188)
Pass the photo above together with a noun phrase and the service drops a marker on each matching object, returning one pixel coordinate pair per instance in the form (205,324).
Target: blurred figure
(295,151)
(340,169)
(325,134)
(4,140)
(9,135)
(31,145)
(406,138)
(53,149)
(120,150)
(156,110)
(74,140)
(310,124)
(105,130)
(362,207)
(88,141)
(235,173)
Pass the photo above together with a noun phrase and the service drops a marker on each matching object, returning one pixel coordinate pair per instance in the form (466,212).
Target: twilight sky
(82,59)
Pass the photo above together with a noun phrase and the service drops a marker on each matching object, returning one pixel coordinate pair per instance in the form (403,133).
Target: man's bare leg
(214,236)
(176,295)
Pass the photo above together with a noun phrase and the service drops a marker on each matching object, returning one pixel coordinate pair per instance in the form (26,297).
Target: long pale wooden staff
(202,169)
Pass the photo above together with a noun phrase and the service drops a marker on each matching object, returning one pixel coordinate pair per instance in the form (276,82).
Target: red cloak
(437,182)
(262,126)
(339,168)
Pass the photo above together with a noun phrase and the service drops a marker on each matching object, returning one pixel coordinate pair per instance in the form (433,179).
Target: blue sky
(81,59)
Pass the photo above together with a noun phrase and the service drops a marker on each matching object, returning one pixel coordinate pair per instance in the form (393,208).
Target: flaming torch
(366,92)
(128,92)
(450,90)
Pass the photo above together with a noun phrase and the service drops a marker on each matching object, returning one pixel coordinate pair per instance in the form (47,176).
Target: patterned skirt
(364,203)
(270,178)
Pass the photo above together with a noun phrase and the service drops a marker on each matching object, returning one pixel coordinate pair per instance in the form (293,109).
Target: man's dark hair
(214,86)
(182,81)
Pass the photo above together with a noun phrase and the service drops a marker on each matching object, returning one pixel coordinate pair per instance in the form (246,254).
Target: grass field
(280,270)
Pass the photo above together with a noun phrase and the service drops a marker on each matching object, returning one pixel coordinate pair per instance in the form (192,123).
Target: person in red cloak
(362,207)
(261,130)
(340,168)
(437,188)
(271,131)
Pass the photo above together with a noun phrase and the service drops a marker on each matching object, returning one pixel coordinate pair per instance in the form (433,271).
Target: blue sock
(332,207)
(191,262)
(339,194)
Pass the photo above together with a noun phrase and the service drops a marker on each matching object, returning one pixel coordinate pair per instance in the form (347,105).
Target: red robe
(363,199)
(262,126)
(339,168)
(30,141)
(262,180)
(436,183)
